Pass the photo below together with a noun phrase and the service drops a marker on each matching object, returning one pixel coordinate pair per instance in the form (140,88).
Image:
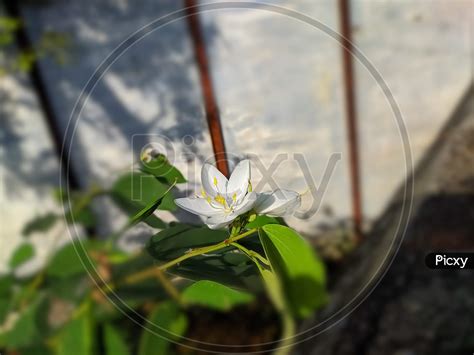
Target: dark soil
(249,326)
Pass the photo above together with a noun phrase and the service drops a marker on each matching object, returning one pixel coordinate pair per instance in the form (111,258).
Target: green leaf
(214,268)
(301,271)
(78,335)
(9,24)
(72,288)
(274,289)
(175,241)
(29,327)
(215,295)
(114,341)
(80,211)
(5,305)
(6,289)
(40,224)
(21,255)
(133,192)
(147,211)
(71,260)
(84,216)
(169,323)
(35,350)
(6,284)
(163,170)
(118,256)
(260,221)
(221,266)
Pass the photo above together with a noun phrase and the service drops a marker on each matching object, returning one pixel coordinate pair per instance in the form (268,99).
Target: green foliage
(54,45)
(163,170)
(260,221)
(301,271)
(78,335)
(134,192)
(29,327)
(274,289)
(83,216)
(6,288)
(114,341)
(21,255)
(217,273)
(8,26)
(146,212)
(49,45)
(4,309)
(72,288)
(176,240)
(71,260)
(215,296)
(6,283)
(40,224)
(221,266)
(135,294)
(77,205)
(166,322)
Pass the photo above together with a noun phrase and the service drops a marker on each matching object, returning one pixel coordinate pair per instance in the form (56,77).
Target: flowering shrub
(244,249)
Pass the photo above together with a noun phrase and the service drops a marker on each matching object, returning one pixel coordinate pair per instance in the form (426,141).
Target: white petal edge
(248,202)
(197,206)
(278,203)
(220,221)
(239,181)
(208,174)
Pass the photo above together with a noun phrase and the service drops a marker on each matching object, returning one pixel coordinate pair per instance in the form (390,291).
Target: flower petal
(247,203)
(220,221)
(278,203)
(197,206)
(238,183)
(213,182)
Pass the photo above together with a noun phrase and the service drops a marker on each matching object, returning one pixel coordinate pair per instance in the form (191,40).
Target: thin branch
(251,253)
(150,272)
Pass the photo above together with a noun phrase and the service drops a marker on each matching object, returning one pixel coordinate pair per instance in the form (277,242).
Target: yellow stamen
(234,197)
(215,181)
(309,189)
(203,193)
(219,199)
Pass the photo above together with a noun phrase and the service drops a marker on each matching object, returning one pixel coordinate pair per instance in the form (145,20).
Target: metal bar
(351,114)
(12,8)
(210,102)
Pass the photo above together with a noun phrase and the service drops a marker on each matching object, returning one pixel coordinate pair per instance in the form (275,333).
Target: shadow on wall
(24,162)
(151,89)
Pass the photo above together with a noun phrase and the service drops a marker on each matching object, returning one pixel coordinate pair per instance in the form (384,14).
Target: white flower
(223,200)
(277,203)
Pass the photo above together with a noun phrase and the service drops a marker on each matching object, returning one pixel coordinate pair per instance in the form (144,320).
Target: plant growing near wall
(244,249)
(12,60)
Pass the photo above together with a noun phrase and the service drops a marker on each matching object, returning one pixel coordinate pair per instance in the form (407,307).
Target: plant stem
(144,274)
(251,253)
(204,250)
(287,334)
(287,321)
(170,289)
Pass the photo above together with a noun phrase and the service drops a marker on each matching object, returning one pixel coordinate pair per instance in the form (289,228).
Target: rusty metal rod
(210,102)
(351,114)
